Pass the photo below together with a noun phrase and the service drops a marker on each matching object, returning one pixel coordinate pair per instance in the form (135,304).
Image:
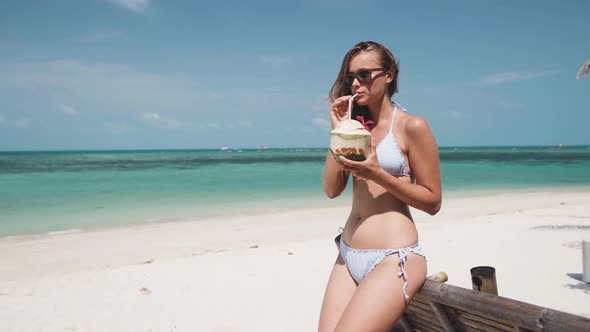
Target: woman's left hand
(366,169)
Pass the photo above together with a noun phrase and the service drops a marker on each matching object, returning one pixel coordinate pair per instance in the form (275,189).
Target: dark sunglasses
(363,76)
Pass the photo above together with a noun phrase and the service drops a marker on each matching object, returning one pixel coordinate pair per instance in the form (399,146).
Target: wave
(65,231)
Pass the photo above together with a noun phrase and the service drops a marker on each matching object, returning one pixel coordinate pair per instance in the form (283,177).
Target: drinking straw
(350,101)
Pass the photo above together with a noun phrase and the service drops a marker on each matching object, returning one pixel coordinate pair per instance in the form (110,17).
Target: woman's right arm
(335,178)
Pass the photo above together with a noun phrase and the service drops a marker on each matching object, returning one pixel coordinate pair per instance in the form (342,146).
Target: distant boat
(584,70)
(223,148)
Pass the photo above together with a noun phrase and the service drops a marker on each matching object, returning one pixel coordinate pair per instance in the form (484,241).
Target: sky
(155,74)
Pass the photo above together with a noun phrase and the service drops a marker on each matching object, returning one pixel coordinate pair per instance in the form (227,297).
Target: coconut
(350,140)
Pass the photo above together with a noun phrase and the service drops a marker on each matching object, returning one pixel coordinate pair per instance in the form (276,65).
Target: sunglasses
(363,76)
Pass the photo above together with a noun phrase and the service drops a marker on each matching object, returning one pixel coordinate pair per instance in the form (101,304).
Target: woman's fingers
(360,169)
(349,165)
(337,159)
(340,106)
(338,110)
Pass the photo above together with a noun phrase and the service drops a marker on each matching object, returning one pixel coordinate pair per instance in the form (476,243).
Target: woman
(380,265)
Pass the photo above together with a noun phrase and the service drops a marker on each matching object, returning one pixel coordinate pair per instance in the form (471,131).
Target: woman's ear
(389,77)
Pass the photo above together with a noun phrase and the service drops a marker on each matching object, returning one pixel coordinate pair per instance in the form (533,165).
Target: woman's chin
(361,101)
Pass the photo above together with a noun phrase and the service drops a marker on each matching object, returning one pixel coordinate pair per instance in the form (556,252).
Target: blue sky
(152,74)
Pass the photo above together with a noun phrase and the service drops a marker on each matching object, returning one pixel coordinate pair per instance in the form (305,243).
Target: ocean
(61,191)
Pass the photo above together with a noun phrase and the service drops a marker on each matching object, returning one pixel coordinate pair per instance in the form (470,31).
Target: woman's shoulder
(414,124)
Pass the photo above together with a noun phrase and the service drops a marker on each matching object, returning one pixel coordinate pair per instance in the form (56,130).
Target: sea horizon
(223,148)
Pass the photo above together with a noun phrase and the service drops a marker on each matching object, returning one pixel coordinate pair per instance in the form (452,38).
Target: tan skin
(380,216)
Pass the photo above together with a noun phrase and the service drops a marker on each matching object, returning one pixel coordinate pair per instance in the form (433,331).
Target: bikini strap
(392,119)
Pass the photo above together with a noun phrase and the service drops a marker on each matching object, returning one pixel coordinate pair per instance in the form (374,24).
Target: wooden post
(483,279)
(586,261)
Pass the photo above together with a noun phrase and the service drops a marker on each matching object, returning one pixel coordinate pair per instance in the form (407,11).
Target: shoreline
(302,205)
(252,272)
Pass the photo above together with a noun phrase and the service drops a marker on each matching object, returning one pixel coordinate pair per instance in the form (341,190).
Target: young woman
(380,265)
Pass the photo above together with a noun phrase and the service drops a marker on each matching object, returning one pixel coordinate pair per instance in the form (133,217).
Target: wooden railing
(442,307)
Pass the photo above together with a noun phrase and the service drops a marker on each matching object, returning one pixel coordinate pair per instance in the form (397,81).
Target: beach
(267,271)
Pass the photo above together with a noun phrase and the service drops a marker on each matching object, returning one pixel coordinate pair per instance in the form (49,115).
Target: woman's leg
(378,301)
(339,291)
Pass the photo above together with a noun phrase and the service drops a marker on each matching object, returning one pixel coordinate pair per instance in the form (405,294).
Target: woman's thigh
(378,301)
(339,291)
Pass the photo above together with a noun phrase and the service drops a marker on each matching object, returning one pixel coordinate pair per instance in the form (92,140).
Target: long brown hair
(388,63)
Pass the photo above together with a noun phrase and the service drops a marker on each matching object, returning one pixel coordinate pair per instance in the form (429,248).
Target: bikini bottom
(362,261)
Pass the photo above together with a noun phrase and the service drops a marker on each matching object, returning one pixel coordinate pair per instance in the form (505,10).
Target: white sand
(209,276)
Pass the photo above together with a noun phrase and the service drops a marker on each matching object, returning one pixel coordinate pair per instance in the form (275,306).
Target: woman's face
(367,77)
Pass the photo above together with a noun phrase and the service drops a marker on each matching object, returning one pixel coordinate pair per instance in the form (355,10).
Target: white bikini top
(389,154)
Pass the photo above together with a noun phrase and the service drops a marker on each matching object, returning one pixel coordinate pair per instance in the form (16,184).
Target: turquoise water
(55,191)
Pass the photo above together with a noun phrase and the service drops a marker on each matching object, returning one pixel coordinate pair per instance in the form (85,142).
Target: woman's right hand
(339,110)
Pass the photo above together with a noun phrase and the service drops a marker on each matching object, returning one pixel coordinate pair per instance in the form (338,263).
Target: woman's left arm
(426,193)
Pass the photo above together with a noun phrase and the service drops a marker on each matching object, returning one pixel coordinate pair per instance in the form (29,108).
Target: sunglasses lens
(364,76)
(348,79)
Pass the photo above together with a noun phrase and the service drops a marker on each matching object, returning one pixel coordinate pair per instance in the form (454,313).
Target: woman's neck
(380,110)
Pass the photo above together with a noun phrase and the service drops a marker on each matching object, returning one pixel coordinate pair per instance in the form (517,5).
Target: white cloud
(456,115)
(320,104)
(117,92)
(274,60)
(159,121)
(111,87)
(511,106)
(67,109)
(116,128)
(115,88)
(215,94)
(232,125)
(152,116)
(511,76)
(136,6)
(244,124)
(229,125)
(20,123)
(321,122)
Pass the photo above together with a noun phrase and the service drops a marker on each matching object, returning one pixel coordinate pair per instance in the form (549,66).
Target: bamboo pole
(423,315)
(497,325)
(476,324)
(419,320)
(504,310)
(483,279)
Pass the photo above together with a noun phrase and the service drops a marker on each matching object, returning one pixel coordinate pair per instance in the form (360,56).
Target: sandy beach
(267,272)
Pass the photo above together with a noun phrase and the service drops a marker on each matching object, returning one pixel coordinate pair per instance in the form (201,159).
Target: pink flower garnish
(365,124)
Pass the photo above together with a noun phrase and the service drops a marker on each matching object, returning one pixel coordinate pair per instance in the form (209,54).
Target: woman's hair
(388,63)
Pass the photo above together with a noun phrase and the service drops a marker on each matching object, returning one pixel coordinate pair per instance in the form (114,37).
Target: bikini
(389,154)
(362,261)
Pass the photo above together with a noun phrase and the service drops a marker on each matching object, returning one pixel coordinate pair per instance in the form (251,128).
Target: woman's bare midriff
(378,219)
